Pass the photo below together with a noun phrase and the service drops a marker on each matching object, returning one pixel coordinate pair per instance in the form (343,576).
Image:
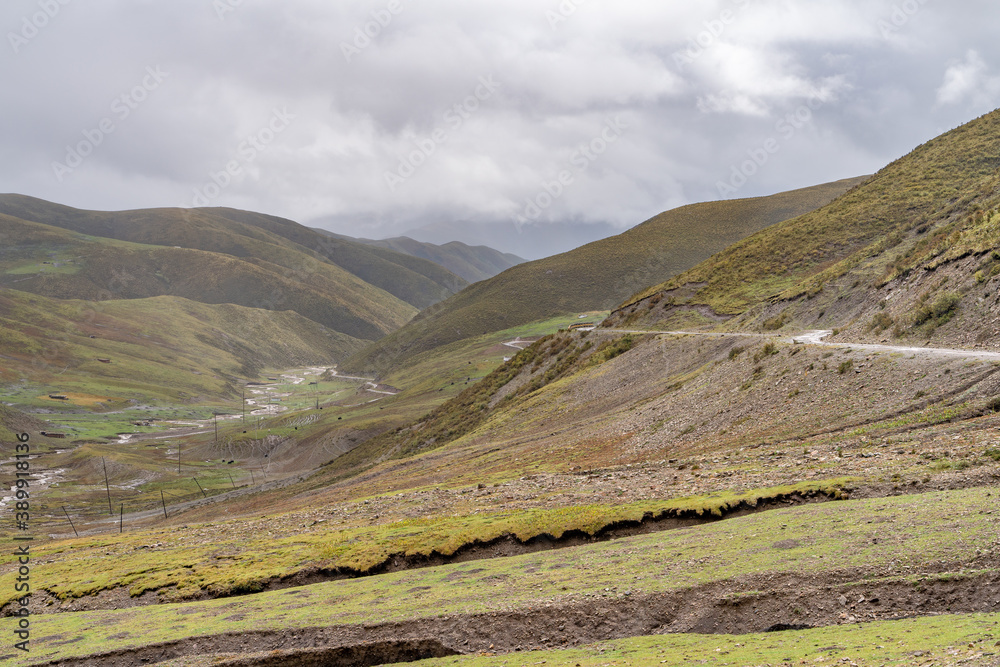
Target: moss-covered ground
(907,539)
(950,639)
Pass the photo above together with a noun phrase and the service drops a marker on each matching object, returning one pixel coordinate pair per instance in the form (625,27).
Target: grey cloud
(878,78)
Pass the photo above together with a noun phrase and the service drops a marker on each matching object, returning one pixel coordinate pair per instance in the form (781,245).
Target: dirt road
(815,337)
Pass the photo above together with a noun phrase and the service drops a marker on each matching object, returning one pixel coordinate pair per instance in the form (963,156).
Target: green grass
(31,268)
(163,348)
(208,258)
(939,532)
(264,240)
(189,566)
(939,640)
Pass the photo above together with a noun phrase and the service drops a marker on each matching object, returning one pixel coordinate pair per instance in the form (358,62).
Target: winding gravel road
(816,337)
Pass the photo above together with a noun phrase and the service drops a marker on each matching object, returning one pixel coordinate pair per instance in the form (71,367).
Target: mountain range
(472,263)
(779,447)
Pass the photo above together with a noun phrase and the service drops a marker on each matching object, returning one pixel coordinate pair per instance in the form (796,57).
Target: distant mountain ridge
(473,263)
(533,241)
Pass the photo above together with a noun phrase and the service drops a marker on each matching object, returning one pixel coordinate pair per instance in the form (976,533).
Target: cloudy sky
(532,124)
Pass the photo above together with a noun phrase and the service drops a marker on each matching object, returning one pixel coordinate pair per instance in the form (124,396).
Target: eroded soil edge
(739,606)
(501,547)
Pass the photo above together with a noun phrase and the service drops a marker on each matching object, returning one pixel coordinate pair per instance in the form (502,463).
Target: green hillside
(13,422)
(909,251)
(63,264)
(158,348)
(595,276)
(250,237)
(473,263)
(417,281)
(736,495)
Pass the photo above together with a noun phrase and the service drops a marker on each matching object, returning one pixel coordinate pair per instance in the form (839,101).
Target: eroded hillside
(908,256)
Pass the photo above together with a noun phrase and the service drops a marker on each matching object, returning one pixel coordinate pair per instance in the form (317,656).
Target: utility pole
(216,428)
(70,521)
(111,510)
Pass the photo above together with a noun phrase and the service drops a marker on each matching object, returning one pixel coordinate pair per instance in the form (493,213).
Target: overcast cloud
(557,122)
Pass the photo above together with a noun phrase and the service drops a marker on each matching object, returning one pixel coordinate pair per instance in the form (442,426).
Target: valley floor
(843,499)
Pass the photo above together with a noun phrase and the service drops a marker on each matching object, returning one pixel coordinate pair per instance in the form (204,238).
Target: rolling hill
(163,347)
(473,263)
(596,276)
(251,237)
(911,254)
(61,264)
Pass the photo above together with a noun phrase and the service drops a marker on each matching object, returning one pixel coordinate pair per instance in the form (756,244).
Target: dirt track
(816,337)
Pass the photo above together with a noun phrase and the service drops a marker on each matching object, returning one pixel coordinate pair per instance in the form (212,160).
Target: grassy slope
(250,236)
(95,268)
(571,411)
(561,405)
(188,567)
(595,276)
(951,639)
(936,205)
(416,280)
(163,347)
(931,534)
(13,422)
